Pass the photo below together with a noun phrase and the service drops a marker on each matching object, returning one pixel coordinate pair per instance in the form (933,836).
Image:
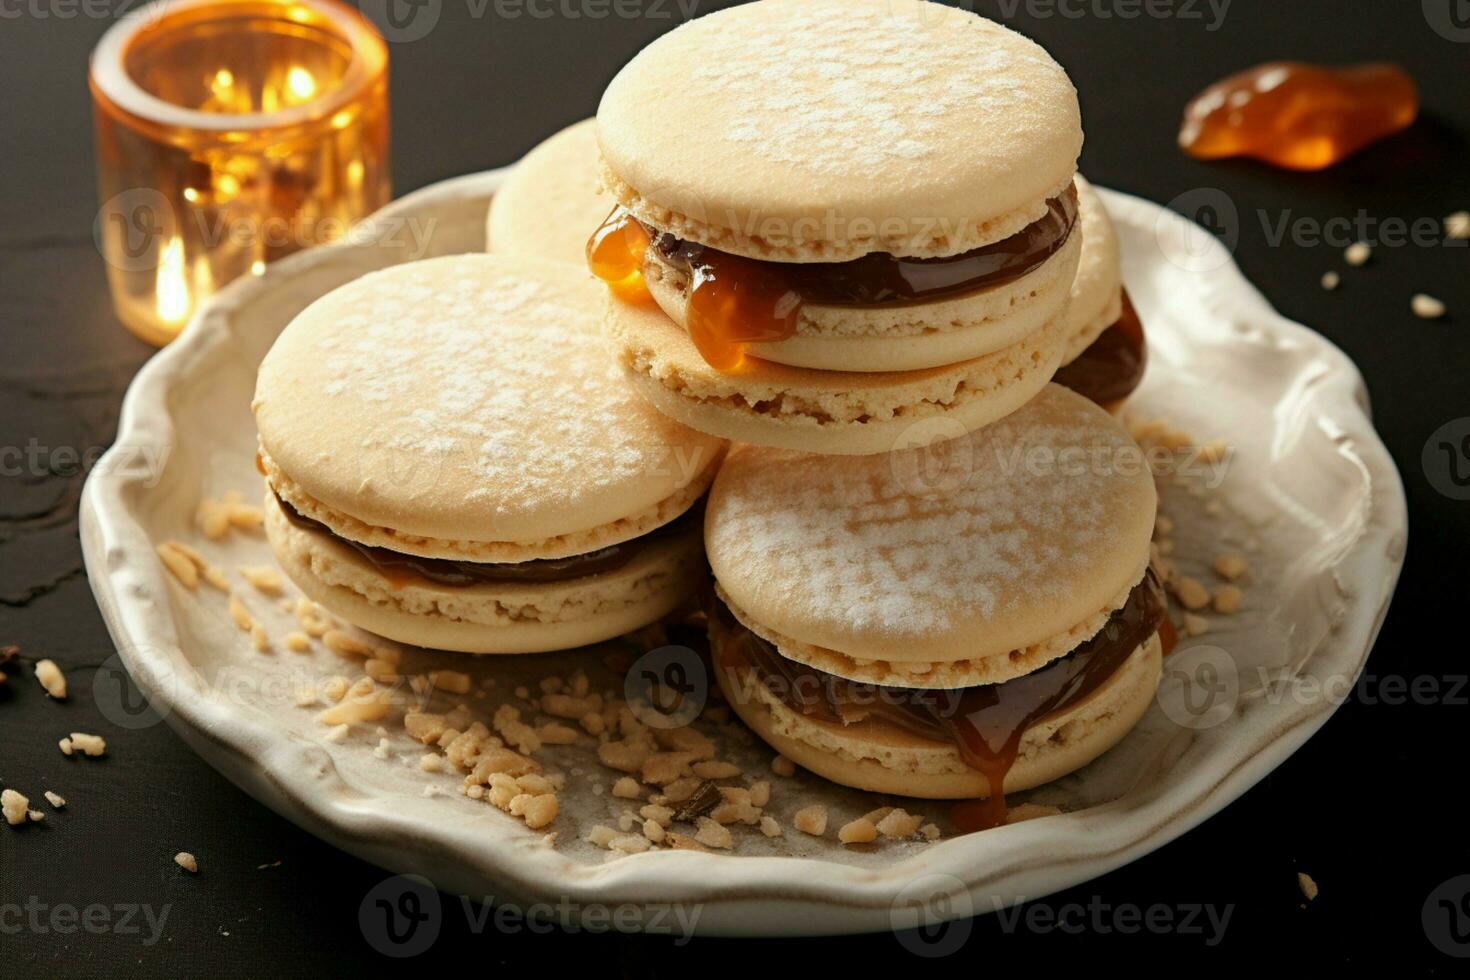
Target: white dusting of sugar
(1017,511)
(508,382)
(865,85)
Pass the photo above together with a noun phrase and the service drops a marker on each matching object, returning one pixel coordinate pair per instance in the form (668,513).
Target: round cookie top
(468,398)
(806,130)
(553,200)
(963,550)
(1096,291)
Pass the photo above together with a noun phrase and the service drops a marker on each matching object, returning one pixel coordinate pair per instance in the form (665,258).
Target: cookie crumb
(539,810)
(55,799)
(811,820)
(179,564)
(1227,598)
(626,788)
(1357,254)
(1457,225)
(93,745)
(1230,565)
(713,834)
(1195,625)
(345,645)
(298,642)
(1031,811)
(859,831)
(1426,307)
(716,770)
(1191,593)
(1307,885)
(770,827)
(783,766)
(453,681)
(186,861)
(240,614)
(899,824)
(263,577)
(14,806)
(1330,280)
(51,678)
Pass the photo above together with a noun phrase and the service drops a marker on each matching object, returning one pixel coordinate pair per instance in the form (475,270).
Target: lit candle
(231,133)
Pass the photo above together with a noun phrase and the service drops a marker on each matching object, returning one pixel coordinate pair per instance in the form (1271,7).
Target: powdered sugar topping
(830,86)
(1016,513)
(484,377)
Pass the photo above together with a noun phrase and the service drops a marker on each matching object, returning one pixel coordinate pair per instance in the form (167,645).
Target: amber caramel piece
(1299,116)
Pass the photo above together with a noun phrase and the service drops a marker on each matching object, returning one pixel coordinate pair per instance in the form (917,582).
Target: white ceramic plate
(1310,493)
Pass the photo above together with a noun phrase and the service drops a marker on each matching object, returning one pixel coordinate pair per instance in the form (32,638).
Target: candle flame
(301,83)
(171,288)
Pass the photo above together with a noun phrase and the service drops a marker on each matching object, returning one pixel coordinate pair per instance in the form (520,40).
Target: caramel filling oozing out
(401,569)
(736,301)
(985,723)
(1112,366)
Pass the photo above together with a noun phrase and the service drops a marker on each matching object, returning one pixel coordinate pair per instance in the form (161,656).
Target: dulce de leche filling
(1112,366)
(735,301)
(401,569)
(985,723)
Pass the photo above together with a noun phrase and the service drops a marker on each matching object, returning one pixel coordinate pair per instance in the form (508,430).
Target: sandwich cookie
(551,198)
(951,622)
(452,463)
(847,214)
(1106,351)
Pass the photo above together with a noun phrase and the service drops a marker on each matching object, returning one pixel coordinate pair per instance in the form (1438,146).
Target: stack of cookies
(847,237)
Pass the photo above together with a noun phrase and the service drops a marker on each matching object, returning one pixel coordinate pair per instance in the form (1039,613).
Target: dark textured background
(1370,807)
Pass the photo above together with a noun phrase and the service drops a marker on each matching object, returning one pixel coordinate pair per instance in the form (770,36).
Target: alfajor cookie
(452,463)
(954,620)
(810,191)
(1106,350)
(551,198)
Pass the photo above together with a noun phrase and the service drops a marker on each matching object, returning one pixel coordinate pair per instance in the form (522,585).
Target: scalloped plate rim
(752,895)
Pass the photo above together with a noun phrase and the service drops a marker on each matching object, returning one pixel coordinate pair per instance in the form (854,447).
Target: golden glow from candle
(305,159)
(172,290)
(301,83)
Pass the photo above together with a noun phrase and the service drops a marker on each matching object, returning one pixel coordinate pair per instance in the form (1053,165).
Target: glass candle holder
(230,133)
